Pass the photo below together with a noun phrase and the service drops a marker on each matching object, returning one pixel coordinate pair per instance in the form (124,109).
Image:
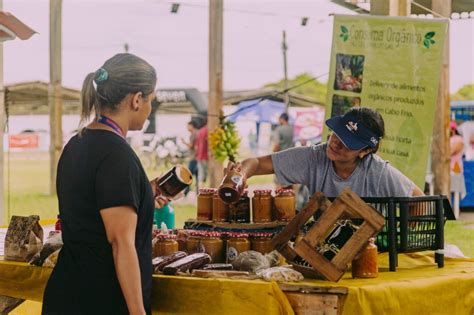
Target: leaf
(426,43)
(344,29)
(430,35)
(432,41)
(345,37)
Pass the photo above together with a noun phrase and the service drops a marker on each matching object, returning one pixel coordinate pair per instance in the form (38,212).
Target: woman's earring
(361,155)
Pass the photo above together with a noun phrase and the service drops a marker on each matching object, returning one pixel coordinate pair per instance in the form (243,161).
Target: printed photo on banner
(349,71)
(341,104)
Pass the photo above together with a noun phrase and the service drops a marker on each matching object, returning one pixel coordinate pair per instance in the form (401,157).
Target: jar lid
(195,233)
(284,191)
(211,234)
(166,237)
(239,235)
(262,191)
(207,190)
(261,235)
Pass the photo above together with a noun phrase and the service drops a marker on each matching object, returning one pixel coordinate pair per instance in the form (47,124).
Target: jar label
(236,179)
(232,253)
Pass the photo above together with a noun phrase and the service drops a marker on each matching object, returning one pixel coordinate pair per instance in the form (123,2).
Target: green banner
(393,65)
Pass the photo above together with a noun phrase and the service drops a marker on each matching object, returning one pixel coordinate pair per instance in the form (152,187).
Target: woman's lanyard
(112,124)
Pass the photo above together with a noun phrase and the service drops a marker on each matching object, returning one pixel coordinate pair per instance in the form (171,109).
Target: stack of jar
(261,242)
(265,207)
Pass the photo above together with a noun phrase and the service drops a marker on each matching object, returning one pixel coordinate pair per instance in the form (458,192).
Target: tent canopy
(259,110)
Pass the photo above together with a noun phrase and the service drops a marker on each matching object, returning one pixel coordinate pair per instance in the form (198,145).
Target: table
(417,287)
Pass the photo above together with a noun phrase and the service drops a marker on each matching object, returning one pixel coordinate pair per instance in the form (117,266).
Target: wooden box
(346,206)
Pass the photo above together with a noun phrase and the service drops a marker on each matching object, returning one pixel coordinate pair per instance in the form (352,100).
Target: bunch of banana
(224,141)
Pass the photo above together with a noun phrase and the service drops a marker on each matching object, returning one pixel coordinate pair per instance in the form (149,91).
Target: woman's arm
(120,225)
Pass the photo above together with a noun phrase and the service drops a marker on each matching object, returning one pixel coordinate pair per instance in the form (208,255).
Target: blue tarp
(259,110)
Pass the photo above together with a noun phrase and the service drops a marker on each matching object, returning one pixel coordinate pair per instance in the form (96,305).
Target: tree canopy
(314,89)
(465,93)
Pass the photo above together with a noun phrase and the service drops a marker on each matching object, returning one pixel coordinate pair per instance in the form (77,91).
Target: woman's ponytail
(89,99)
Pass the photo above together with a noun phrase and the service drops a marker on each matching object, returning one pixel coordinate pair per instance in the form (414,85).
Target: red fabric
(201,144)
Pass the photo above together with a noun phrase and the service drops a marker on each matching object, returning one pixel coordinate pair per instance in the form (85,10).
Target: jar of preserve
(284,205)
(262,202)
(262,242)
(181,237)
(232,186)
(237,243)
(220,209)
(240,211)
(365,266)
(194,243)
(214,246)
(166,244)
(204,204)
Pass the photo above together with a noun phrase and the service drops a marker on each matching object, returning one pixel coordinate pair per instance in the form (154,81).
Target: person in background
(348,159)
(458,187)
(466,129)
(202,154)
(191,144)
(282,140)
(283,134)
(105,199)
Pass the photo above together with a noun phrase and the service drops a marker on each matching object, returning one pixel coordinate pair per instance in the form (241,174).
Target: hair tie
(101,75)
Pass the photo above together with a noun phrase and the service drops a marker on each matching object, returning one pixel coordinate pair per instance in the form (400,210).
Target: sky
(177,44)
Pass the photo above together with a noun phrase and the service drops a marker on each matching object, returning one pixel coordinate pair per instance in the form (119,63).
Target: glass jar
(240,211)
(365,266)
(262,242)
(220,210)
(194,245)
(262,206)
(165,245)
(232,186)
(214,246)
(204,204)
(284,205)
(237,244)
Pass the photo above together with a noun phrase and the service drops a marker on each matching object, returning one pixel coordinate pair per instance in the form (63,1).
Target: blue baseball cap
(352,132)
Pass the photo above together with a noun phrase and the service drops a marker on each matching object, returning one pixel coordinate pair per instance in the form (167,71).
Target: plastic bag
(24,238)
(280,274)
(52,244)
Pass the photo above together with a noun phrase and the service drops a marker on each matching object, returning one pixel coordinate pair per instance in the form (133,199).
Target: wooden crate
(346,205)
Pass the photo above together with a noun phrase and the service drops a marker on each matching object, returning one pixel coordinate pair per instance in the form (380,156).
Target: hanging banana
(224,141)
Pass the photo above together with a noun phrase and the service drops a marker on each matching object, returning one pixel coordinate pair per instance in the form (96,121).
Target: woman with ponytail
(105,199)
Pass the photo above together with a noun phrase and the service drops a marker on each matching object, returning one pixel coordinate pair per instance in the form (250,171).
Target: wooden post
(284,48)
(54,89)
(215,81)
(440,151)
(390,7)
(3,214)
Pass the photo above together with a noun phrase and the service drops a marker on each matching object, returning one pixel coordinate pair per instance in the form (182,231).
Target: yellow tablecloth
(418,287)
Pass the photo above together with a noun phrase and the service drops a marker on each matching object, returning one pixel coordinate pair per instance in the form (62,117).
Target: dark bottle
(232,186)
(57,225)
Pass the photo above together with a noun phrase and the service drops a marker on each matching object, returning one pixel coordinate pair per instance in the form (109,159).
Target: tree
(465,93)
(314,89)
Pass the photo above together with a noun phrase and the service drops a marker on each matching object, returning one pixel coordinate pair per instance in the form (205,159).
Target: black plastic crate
(412,224)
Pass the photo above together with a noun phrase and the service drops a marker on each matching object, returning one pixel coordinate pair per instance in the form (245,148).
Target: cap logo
(351,126)
(374,141)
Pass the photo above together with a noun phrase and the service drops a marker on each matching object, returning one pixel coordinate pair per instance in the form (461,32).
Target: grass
(27,186)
